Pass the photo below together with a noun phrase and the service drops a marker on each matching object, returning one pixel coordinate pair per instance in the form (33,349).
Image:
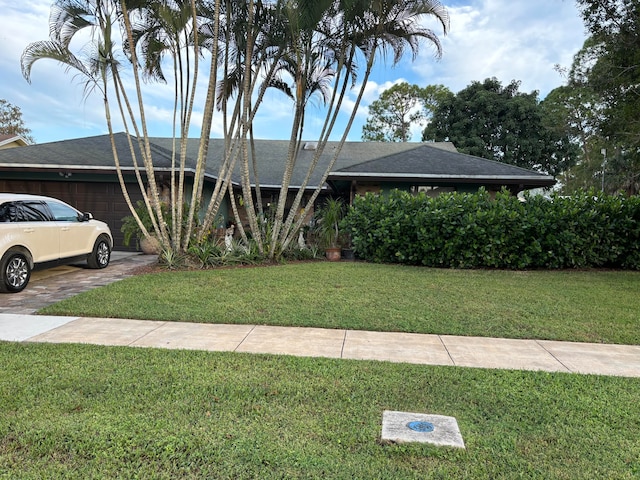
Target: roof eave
(127,169)
(542,180)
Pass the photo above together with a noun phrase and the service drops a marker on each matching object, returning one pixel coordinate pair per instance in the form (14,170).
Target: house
(82,172)
(433,168)
(12,141)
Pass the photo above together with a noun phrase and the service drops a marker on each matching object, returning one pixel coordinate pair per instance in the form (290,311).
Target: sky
(507,39)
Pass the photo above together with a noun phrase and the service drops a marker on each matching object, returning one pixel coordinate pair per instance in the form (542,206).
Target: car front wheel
(15,271)
(101,254)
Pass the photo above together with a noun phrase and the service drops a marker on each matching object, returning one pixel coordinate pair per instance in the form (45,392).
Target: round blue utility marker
(424,427)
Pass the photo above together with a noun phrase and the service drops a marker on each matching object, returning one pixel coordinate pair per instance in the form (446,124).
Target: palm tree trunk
(207,121)
(145,146)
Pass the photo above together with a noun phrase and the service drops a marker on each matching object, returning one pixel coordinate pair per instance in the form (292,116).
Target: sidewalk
(18,325)
(618,360)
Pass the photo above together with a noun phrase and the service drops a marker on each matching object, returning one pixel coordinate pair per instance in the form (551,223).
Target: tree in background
(576,110)
(11,122)
(609,65)
(500,123)
(398,109)
(573,111)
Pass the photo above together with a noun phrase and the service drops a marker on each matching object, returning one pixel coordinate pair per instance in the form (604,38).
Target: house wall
(10,145)
(270,199)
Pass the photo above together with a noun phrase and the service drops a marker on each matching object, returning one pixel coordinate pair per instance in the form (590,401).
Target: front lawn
(79,412)
(586,306)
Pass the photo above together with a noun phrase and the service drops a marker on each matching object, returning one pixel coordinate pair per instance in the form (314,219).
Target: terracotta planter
(150,246)
(333,254)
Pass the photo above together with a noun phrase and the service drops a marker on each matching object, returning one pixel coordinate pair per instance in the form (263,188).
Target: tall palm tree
(255,42)
(98,63)
(160,29)
(363,29)
(316,44)
(311,72)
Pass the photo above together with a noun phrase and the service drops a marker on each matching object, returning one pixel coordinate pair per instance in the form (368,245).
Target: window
(24,212)
(7,212)
(433,192)
(63,213)
(33,212)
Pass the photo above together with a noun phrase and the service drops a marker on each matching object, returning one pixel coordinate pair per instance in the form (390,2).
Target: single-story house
(82,172)
(12,141)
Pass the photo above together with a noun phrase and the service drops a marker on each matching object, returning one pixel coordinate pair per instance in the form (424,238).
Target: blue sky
(507,39)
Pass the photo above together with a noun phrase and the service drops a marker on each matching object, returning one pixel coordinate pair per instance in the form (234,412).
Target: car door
(38,232)
(75,234)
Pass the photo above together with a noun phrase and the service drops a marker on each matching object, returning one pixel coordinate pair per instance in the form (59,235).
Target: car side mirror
(85,217)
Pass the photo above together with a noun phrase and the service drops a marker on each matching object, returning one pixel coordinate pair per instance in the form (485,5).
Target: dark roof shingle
(397,161)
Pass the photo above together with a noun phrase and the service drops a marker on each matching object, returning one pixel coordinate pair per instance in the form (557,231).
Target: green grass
(589,306)
(79,412)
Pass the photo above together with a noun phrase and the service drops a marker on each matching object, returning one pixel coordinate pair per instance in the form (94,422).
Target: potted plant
(131,229)
(347,249)
(327,227)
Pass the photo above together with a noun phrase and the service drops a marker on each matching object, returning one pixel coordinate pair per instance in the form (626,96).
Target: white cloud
(508,39)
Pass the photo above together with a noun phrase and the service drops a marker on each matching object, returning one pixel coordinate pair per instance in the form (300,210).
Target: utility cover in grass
(401,427)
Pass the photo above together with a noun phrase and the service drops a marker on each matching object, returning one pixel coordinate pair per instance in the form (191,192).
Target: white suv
(38,232)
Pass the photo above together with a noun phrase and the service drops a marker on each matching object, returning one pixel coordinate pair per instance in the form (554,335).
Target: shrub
(472,230)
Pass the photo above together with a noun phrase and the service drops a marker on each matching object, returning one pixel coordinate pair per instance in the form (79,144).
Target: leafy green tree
(579,110)
(500,123)
(575,110)
(431,97)
(11,122)
(392,115)
(398,109)
(613,72)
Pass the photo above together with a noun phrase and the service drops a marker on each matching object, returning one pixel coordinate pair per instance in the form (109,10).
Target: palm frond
(68,17)
(283,86)
(227,87)
(52,50)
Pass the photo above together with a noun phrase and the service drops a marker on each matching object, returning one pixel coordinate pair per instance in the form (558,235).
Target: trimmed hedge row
(464,230)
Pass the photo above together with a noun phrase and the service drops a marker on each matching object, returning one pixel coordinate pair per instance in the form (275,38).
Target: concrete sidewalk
(552,356)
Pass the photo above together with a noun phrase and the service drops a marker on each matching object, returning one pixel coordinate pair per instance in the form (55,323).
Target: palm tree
(66,19)
(359,28)
(323,46)
(99,65)
(316,45)
(311,72)
(241,57)
(159,29)
(151,31)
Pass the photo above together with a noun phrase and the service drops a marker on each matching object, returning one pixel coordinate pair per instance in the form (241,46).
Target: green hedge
(464,230)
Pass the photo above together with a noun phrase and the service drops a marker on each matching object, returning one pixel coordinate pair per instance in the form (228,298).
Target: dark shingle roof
(391,161)
(427,162)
